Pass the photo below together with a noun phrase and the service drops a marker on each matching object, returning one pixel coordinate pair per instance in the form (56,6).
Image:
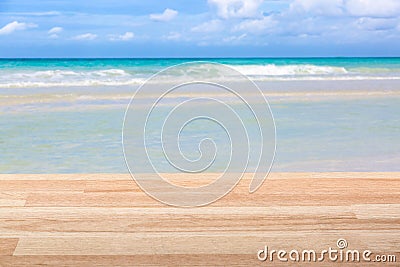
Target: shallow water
(346,119)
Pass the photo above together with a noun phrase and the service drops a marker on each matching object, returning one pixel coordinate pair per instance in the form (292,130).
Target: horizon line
(152,58)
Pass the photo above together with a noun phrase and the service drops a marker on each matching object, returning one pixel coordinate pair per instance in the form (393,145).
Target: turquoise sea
(331,114)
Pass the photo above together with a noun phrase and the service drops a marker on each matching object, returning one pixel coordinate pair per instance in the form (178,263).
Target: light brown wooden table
(105,219)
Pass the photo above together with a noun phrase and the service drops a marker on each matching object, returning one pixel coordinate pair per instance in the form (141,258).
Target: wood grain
(106,220)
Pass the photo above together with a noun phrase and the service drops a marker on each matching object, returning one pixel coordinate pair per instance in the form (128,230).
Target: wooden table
(105,219)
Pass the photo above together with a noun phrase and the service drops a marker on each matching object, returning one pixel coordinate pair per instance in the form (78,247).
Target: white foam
(275,70)
(70,83)
(57,78)
(120,77)
(53,74)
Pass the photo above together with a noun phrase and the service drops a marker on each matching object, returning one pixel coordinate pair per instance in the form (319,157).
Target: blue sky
(199,28)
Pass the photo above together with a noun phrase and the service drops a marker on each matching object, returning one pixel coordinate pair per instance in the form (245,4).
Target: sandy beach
(105,219)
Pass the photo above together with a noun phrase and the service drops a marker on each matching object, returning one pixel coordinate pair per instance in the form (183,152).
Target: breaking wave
(275,70)
(25,78)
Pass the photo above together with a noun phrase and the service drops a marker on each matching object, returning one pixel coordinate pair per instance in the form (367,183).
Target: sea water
(331,114)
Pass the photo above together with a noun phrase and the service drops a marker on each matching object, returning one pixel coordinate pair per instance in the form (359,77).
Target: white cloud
(85,36)
(123,37)
(234,38)
(16,26)
(127,36)
(167,15)
(366,8)
(256,25)
(376,24)
(48,13)
(39,14)
(55,30)
(173,36)
(209,26)
(237,8)
(378,8)
(319,7)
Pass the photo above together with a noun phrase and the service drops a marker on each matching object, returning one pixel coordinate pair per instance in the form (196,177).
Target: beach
(331,114)
(105,219)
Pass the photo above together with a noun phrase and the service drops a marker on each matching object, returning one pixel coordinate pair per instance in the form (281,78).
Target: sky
(199,28)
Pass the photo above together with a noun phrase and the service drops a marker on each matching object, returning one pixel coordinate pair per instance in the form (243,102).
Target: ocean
(331,114)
